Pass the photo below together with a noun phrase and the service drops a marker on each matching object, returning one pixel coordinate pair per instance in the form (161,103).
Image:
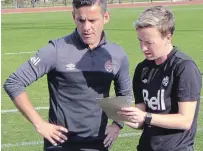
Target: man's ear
(73,14)
(106,17)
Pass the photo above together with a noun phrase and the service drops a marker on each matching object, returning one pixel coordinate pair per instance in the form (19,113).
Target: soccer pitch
(23,34)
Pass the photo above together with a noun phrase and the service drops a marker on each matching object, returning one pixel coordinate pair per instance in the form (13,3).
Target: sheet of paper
(112,105)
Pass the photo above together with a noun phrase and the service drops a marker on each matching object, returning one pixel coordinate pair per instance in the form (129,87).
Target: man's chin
(88,41)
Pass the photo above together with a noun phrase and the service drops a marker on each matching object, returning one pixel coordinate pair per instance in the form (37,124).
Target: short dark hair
(80,3)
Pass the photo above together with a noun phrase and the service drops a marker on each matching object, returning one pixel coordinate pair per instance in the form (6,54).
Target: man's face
(152,43)
(90,22)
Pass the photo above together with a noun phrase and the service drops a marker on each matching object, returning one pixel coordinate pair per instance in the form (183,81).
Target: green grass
(28,32)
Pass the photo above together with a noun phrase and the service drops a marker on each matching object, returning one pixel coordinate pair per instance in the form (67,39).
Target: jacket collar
(80,41)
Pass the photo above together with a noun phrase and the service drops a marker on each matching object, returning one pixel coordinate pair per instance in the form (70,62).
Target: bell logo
(155,103)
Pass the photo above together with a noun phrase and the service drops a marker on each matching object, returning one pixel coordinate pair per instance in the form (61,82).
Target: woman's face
(152,43)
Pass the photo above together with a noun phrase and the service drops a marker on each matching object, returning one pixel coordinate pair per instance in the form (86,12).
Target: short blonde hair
(159,17)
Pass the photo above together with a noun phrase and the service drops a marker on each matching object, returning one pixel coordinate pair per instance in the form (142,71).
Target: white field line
(42,11)
(33,143)
(16,110)
(37,108)
(17,53)
(193,8)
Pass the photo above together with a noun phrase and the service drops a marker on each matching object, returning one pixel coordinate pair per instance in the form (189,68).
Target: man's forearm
(170,121)
(24,105)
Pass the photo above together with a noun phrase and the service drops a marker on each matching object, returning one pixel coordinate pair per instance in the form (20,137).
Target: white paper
(112,105)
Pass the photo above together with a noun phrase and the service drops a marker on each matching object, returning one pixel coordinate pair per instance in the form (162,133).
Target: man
(80,68)
(166,85)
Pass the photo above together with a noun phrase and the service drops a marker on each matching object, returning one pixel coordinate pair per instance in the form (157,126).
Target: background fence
(50,3)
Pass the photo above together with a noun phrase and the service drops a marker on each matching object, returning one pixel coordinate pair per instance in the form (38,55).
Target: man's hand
(112,132)
(53,133)
(134,114)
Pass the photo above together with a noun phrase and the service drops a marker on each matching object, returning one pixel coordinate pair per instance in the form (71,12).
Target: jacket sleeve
(38,65)
(122,81)
(123,84)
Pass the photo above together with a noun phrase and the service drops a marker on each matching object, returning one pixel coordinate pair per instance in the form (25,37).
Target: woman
(166,86)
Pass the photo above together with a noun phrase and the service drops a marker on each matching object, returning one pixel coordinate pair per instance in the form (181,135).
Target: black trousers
(189,148)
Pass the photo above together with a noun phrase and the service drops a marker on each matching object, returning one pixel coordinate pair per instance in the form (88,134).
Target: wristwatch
(148,118)
(119,124)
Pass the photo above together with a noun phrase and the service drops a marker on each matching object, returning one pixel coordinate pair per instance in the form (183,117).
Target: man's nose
(86,26)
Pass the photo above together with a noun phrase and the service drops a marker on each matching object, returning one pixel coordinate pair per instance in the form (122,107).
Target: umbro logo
(35,60)
(144,80)
(70,67)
